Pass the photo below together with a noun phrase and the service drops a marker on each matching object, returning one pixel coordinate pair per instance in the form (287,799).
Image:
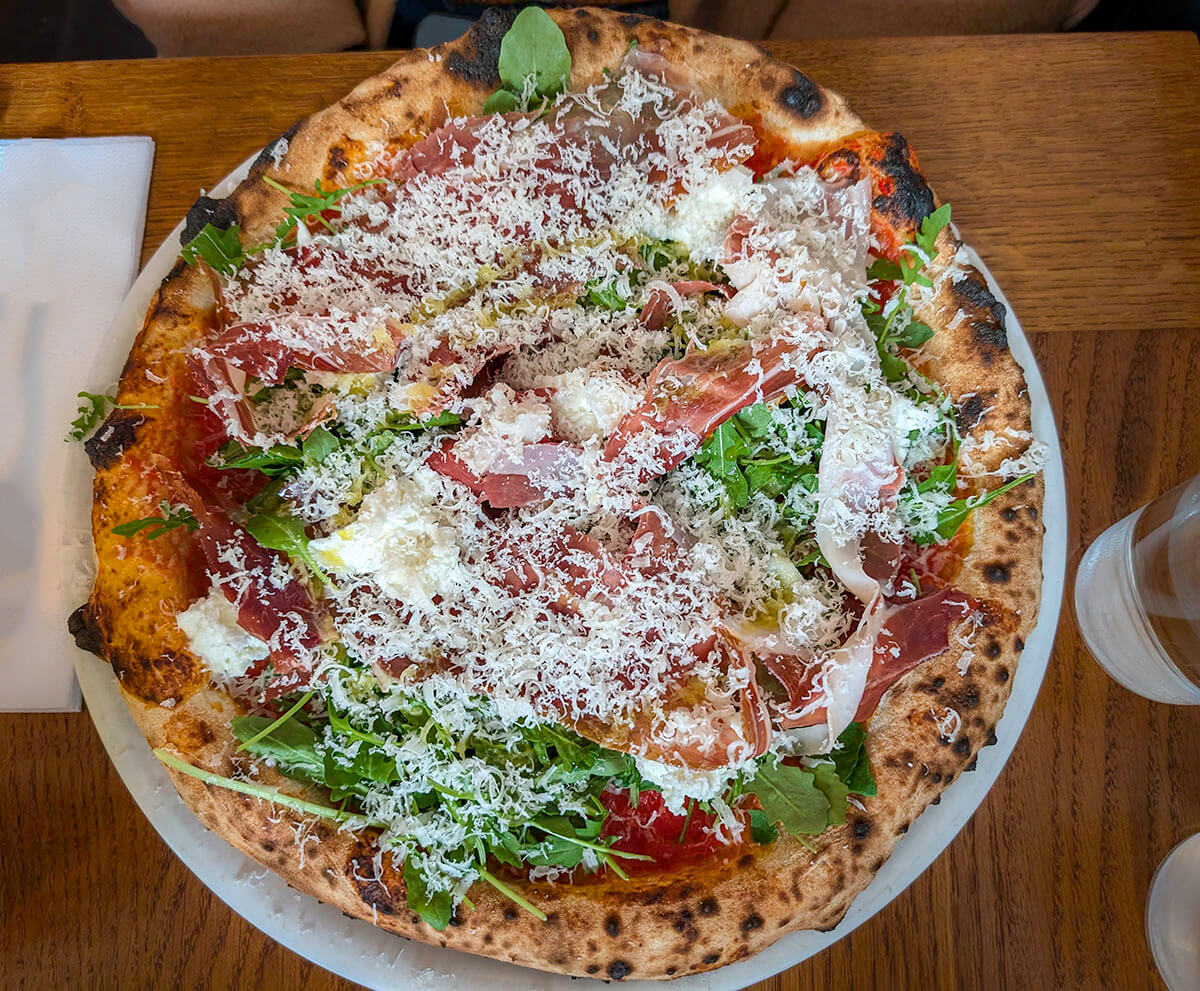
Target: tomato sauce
(770,147)
(652,829)
(938,564)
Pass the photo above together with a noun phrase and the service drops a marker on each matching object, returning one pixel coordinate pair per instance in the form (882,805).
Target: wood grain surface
(1073,164)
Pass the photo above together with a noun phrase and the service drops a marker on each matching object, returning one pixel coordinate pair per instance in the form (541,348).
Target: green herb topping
(534,64)
(172,518)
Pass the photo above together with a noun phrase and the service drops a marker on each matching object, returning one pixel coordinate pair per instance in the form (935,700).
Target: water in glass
(1137,598)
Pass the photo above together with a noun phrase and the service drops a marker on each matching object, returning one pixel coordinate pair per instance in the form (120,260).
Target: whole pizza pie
(573,502)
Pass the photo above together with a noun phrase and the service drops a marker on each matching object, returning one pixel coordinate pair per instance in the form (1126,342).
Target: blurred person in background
(228,27)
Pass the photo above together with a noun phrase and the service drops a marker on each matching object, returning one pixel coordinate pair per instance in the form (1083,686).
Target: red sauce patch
(770,147)
(651,828)
(941,563)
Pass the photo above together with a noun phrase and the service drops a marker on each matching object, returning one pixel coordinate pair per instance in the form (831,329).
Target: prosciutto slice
(687,398)
(691,725)
(666,299)
(272,603)
(267,350)
(590,134)
(857,482)
(544,469)
(891,640)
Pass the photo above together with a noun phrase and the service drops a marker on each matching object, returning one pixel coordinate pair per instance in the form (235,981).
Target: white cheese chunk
(211,626)
(502,424)
(586,405)
(679,784)
(402,540)
(701,217)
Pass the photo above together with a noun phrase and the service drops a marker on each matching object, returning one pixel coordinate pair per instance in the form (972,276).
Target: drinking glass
(1173,916)
(1137,598)
(1137,601)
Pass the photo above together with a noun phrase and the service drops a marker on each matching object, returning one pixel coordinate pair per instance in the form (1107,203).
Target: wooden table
(1073,164)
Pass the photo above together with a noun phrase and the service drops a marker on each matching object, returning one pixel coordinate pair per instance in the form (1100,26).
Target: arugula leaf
(507,850)
(285,533)
(221,249)
(951,517)
(931,227)
(825,777)
(318,445)
(555,851)
(265,731)
(304,207)
(720,454)
(883,270)
(807,800)
(599,294)
(93,409)
(756,421)
(369,766)
(659,254)
(503,101)
(435,907)
(913,335)
(762,830)
(532,49)
(256,790)
(899,329)
(850,759)
(743,455)
(290,743)
(280,459)
(172,518)
(341,724)
(789,796)
(398,421)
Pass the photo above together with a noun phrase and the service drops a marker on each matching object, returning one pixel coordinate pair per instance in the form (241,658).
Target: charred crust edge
(988,314)
(82,625)
(911,199)
(267,154)
(478,63)
(115,436)
(803,97)
(207,210)
(970,412)
(374,893)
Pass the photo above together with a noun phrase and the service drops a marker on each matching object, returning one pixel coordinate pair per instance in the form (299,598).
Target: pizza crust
(704,915)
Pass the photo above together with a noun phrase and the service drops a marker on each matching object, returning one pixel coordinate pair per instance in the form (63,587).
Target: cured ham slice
(692,726)
(666,299)
(273,604)
(448,372)
(267,350)
(222,368)
(891,640)
(857,483)
(543,470)
(687,398)
(683,721)
(590,135)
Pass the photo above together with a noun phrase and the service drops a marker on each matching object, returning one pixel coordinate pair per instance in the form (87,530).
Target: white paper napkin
(72,213)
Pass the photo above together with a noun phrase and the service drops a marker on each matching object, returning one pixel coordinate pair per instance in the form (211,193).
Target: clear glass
(1137,598)
(1173,917)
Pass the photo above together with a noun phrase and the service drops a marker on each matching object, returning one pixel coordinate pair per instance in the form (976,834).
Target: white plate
(359,951)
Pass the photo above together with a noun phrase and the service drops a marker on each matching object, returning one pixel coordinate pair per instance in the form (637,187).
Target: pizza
(573,502)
